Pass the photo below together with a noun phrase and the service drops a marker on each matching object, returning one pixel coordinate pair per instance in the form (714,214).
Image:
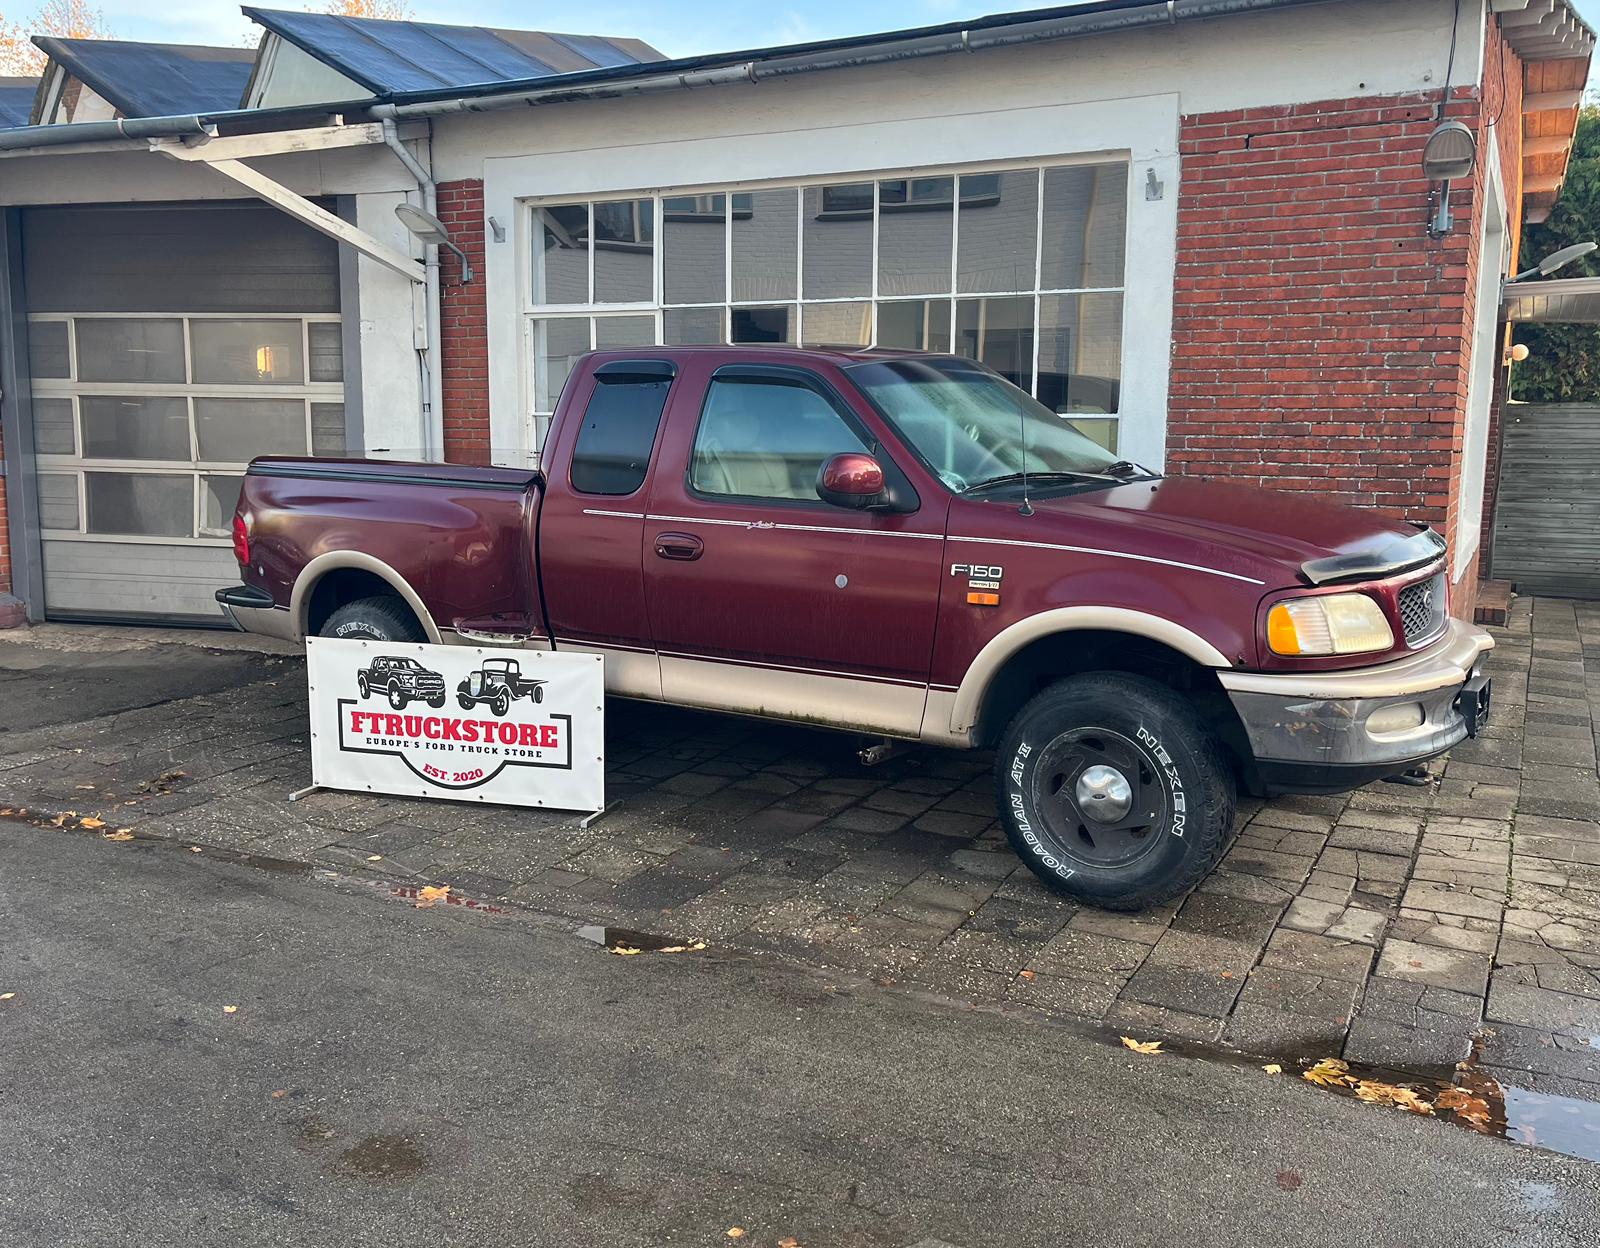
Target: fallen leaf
(58,821)
(121,834)
(374,857)
(1376,1092)
(6,996)
(279,1093)
(1142,1046)
(1288,1180)
(195,849)
(1272,1068)
(91,822)
(788,1241)
(85,786)
(1330,1072)
(1025,974)
(733,1232)
(625,951)
(431,895)
(230,1009)
(1225,975)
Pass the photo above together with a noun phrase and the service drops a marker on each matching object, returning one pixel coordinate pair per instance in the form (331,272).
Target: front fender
(952,717)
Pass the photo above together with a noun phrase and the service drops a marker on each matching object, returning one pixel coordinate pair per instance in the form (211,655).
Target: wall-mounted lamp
(1518,353)
(1451,152)
(427,228)
(1555,260)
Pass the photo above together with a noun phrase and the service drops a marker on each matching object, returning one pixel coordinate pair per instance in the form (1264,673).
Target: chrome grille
(1422,608)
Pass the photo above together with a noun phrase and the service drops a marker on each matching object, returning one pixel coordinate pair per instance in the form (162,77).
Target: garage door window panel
(49,355)
(234,431)
(131,349)
(58,501)
(124,427)
(248,353)
(143,504)
(219,499)
(54,427)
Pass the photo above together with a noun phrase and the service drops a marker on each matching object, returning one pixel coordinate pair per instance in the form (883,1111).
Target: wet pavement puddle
(626,941)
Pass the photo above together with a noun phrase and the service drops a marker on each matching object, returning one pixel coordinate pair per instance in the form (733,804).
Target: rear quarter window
(612,453)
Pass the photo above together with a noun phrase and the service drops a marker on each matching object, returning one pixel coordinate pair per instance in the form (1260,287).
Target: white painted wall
(391,390)
(1486,349)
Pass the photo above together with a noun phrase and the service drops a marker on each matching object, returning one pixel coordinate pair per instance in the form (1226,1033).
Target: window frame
(671,374)
(529,312)
(783,375)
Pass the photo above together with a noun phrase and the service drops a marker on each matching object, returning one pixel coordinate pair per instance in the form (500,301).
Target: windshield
(970,425)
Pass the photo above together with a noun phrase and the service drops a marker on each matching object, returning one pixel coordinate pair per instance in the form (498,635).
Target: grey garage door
(1547,512)
(168,346)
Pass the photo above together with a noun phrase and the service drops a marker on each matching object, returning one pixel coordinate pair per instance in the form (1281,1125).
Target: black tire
(361,685)
(374,619)
(464,702)
(436,703)
(501,702)
(1139,748)
(398,701)
(538,693)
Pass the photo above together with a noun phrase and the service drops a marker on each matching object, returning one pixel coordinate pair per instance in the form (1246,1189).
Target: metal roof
(154,79)
(1569,300)
(16,101)
(389,57)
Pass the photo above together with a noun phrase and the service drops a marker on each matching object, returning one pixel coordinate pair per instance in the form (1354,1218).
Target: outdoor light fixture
(1451,152)
(1555,260)
(427,228)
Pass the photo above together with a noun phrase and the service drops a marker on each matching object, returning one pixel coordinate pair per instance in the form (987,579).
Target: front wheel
(464,702)
(1114,791)
(437,702)
(362,686)
(397,698)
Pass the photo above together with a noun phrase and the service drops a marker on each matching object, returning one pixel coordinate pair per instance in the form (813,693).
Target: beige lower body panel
(827,701)
(266,621)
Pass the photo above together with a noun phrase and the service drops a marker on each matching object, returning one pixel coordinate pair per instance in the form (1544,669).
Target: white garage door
(168,346)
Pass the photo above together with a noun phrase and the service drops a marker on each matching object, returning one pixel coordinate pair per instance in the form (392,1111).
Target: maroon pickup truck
(848,538)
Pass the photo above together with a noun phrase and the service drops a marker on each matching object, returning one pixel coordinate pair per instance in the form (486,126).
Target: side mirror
(853,480)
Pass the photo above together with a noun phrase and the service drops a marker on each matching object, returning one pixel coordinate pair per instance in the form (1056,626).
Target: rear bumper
(1316,732)
(252,611)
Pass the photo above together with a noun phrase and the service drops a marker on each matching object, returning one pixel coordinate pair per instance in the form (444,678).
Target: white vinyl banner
(520,727)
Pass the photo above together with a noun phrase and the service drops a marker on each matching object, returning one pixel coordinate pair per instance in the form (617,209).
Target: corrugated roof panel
(16,101)
(391,56)
(155,79)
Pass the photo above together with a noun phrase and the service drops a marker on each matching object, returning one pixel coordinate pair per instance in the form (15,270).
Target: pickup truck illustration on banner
(402,681)
(499,682)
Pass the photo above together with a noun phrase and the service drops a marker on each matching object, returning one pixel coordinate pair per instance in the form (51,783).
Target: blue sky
(677,27)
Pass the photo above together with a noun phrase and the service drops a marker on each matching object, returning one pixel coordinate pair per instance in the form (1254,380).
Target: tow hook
(881,752)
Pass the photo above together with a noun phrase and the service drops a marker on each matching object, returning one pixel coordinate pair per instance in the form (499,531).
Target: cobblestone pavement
(1394,925)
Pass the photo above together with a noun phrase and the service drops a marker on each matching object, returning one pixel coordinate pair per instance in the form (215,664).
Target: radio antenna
(1022,426)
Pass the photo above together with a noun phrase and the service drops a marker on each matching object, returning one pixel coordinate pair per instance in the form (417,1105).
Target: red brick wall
(1319,335)
(463,318)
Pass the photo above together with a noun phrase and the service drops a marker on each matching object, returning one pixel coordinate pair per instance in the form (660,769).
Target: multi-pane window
(1020,268)
(144,424)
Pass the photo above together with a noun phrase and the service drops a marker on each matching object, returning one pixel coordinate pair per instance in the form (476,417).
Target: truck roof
(767,351)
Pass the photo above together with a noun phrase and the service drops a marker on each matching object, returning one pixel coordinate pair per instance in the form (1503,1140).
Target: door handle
(679,546)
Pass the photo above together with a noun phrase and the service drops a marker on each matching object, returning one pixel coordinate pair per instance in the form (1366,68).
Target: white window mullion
(727,267)
(1038,279)
(877,216)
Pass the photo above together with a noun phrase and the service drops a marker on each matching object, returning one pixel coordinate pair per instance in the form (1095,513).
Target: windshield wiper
(1127,468)
(1013,478)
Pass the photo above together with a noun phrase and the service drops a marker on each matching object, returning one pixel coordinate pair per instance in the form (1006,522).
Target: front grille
(1422,608)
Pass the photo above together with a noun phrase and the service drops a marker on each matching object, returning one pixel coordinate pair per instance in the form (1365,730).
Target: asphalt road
(394,1075)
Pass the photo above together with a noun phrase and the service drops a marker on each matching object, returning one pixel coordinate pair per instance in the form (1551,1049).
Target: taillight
(241,542)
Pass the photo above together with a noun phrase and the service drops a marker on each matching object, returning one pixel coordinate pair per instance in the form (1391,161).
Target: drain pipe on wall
(431,350)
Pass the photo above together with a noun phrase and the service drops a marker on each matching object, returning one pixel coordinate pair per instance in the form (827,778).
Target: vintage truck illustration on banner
(499,682)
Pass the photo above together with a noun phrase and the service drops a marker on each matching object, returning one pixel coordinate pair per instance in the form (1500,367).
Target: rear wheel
(501,702)
(374,619)
(1114,791)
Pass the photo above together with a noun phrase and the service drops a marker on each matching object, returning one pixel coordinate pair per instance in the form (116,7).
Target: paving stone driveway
(1392,925)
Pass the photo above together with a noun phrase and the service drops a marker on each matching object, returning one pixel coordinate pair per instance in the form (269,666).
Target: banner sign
(519,727)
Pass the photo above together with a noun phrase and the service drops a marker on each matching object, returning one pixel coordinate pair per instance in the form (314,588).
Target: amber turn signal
(975,599)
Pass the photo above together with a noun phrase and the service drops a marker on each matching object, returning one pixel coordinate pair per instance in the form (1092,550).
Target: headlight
(1330,624)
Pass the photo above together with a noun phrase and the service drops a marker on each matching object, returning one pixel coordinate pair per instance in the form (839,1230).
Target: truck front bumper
(1325,732)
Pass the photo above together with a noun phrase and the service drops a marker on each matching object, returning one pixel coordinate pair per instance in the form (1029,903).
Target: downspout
(431,350)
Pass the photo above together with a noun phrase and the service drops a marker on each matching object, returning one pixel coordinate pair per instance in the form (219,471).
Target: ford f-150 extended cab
(907,546)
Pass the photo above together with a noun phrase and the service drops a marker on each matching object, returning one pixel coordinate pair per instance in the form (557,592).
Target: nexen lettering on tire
(1180,803)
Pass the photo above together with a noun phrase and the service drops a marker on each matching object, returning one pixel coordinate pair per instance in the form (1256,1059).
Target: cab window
(612,453)
(765,438)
